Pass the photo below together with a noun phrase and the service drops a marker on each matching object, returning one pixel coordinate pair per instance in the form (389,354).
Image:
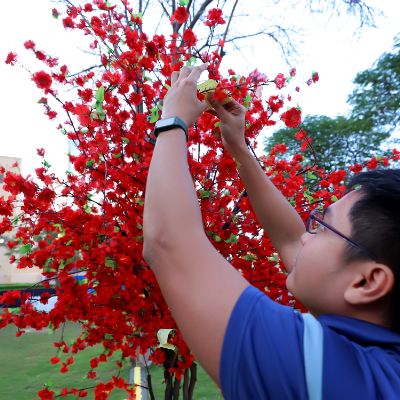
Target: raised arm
(275,214)
(198,284)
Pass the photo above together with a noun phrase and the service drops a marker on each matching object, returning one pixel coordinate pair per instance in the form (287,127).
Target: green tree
(377,92)
(336,142)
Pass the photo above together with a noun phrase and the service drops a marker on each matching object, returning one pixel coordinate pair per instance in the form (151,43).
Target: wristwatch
(167,124)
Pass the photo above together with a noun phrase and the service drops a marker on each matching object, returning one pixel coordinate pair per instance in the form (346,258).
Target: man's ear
(372,282)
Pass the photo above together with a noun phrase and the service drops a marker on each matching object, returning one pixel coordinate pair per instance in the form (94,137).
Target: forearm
(275,214)
(171,206)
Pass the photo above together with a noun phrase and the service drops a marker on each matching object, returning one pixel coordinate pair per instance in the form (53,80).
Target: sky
(328,45)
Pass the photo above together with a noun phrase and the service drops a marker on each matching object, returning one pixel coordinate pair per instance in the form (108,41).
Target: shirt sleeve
(262,354)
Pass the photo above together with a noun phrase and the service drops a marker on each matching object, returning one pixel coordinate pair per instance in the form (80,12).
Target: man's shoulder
(363,357)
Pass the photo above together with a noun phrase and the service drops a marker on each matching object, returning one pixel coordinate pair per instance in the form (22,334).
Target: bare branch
(228,25)
(164,9)
(199,13)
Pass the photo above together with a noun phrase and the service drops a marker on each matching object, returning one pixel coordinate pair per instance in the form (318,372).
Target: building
(8,272)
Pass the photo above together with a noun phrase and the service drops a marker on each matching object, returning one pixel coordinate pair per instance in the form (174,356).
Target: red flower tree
(89,224)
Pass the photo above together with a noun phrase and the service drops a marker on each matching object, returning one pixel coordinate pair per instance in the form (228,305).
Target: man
(344,268)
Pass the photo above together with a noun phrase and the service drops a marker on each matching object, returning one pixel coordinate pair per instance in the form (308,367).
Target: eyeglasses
(315,220)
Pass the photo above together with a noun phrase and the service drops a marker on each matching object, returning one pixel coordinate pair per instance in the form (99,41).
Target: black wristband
(167,124)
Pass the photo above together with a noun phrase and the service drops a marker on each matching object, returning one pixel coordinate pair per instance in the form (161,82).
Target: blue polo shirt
(263,357)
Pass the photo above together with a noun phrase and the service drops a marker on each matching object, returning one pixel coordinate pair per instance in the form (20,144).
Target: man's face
(319,277)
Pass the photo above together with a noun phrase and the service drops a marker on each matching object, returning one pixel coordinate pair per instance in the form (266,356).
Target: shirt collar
(359,331)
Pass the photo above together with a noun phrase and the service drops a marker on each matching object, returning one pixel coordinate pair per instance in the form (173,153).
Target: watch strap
(168,124)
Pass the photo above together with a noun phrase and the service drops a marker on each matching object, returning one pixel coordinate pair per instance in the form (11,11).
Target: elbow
(150,246)
(154,244)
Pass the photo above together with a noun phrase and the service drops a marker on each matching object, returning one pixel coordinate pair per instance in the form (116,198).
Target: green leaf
(46,164)
(90,163)
(84,130)
(154,116)
(249,257)
(191,61)
(162,336)
(183,3)
(68,243)
(139,201)
(232,239)
(102,115)
(48,262)
(247,101)
(109,262)
(125,140)
(204,194)
(61,265)
(25,249)
(99,96)
(334,198)
(87,208)
(217,238)
(274,258)
(15,220)
(311,175)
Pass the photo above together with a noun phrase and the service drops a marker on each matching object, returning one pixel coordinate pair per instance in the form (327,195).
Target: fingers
(184,72)
(174,77)
(196,72)
(192,73)
(230,108)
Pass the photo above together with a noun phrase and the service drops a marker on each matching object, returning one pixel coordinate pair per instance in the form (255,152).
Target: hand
(232,117)
(181,100)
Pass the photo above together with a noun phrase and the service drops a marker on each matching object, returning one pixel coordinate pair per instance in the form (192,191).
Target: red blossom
(280,81)
(189,37)
(180,15)
(46,394)
(42,79)
(29,44)
(55,360)
(214,17)
(292,117)
(40,55)
(11,58)
(68,22)
(372,163)
(276,103)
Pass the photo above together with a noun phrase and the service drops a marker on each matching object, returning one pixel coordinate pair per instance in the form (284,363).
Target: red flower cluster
(42,79)
(280,81)
(180,15)
(11,58)
(214,17)
(292,117)
(189,37)
(91,245)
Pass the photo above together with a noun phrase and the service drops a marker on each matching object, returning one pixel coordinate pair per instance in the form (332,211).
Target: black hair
(375,221)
